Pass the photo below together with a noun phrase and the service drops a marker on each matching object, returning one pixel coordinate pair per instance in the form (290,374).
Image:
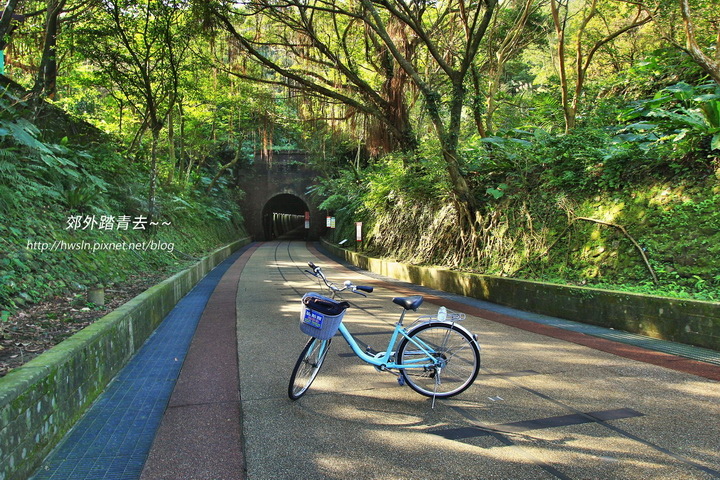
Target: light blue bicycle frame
(384,361)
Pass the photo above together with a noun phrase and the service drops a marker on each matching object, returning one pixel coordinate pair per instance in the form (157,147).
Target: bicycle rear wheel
(457,351)
(307,367)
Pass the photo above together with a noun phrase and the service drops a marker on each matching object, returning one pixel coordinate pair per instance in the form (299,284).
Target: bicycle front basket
(321,316)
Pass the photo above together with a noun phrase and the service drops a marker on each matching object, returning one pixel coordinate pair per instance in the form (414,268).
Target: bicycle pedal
(371,351)
(401,381)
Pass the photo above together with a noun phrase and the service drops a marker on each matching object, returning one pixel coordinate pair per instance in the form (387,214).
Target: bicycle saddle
(409,303)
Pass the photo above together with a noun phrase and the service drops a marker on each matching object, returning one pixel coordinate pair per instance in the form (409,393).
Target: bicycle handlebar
(348,285)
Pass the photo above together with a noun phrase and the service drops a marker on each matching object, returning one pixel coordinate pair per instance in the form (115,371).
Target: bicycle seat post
(402,316)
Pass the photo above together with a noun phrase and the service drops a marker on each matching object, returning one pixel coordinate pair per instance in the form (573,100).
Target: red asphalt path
(200,436)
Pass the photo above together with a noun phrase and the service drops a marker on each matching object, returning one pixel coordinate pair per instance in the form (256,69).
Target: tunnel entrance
(284,218)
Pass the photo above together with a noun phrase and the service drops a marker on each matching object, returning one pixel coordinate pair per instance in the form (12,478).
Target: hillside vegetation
(628,199)
(74,210)
(564,141)
(560,210)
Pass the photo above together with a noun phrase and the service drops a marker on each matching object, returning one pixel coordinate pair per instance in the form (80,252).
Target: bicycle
(435,356)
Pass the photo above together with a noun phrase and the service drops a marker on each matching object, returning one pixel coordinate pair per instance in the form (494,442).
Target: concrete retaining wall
(684,321)
(42,399)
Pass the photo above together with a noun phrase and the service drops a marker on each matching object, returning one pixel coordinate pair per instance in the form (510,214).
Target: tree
(422,39)
(46,79)
(6,18)
(140,49)
(451,52)
(693,27)
(593,31)
(322,50)
(516,25)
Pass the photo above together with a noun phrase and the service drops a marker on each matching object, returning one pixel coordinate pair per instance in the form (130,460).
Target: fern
(8,199)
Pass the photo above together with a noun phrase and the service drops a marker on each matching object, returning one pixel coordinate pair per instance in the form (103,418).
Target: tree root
(599,222)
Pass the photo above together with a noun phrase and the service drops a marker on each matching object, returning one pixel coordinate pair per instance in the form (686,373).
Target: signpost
(330,223)
(358,234)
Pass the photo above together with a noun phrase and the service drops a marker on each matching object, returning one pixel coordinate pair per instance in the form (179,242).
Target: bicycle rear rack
(450,317)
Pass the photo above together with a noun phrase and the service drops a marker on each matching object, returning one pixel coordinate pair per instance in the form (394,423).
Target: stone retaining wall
(42,399)
(684,321)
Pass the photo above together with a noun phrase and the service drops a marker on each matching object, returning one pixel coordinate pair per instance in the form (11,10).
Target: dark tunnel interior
(284,218)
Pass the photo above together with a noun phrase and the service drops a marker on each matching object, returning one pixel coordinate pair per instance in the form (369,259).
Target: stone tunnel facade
(279,184)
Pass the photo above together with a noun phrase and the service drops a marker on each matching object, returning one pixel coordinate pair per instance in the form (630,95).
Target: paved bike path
(343,427)
(542,407)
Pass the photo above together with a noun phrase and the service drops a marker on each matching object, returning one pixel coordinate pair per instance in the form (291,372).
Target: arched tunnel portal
(284,217)
(276,199)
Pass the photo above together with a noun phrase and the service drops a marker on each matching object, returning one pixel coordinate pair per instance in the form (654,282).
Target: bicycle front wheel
(307,367)
(454,351)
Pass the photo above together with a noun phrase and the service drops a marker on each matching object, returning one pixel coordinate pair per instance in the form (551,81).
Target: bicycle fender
(456,325)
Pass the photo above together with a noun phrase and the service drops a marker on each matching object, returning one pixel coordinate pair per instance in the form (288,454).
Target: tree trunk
(492,103)
(449,142)
(46,80)
(153,174)
(394,88)
(477,109)
(181,156)
(564,95)
(707,63)
(223,168)
(6,21)
(171,147)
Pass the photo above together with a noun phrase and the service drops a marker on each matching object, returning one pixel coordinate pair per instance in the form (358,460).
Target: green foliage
(682,114)
(646,118)
(43,184)
(531,183)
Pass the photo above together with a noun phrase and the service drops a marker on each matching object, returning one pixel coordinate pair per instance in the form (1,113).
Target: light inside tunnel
(284,217)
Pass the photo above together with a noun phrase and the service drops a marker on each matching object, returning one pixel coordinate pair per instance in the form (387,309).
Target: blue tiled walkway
(114,437)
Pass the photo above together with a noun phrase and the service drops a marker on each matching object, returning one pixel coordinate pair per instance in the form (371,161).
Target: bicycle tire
(307,366)
(459,351)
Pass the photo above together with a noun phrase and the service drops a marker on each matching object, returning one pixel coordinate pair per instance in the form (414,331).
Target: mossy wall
(658,237)
(42,399)
(678,320)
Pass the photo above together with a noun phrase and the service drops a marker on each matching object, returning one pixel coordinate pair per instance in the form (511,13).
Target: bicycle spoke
(307,367)
(453,352)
